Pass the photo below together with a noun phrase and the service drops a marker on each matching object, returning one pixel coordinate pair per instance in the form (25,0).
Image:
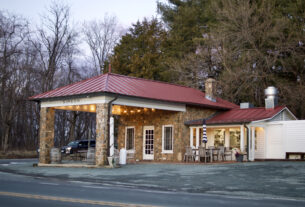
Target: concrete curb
(73,166)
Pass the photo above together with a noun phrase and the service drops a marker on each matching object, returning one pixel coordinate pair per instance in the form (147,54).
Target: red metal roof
(136,87)
(238,115)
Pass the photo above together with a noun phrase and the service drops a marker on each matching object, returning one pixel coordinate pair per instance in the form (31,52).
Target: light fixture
(153,109)
(138,110)
(92,108)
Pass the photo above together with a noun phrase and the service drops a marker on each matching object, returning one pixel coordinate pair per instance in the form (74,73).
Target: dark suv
(78,145)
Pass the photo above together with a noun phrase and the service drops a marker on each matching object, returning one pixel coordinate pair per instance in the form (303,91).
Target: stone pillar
(101,146)
(46,134)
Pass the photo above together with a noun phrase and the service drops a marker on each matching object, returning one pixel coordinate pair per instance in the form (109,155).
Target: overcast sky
(127,11)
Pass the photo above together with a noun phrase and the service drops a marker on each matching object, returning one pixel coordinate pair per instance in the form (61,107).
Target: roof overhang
(102,98)
(270,118)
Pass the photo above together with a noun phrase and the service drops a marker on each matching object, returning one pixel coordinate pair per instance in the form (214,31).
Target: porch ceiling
(116,109)
(88,103)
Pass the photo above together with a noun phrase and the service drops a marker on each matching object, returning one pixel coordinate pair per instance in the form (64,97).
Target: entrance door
(148,143)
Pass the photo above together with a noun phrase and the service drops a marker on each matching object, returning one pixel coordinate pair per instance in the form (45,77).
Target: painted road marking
(49,183)
(71,200)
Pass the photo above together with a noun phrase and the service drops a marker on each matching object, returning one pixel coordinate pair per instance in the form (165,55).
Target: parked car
(78,145)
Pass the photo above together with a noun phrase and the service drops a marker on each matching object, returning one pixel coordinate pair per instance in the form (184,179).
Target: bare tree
(101,37)
(54,37)
(13,33)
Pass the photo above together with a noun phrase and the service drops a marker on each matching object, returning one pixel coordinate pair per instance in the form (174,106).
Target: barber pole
(204,134)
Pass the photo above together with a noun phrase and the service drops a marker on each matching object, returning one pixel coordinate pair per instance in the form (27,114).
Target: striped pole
(204,134)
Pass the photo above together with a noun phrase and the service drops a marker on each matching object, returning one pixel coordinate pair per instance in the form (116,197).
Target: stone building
(157,120)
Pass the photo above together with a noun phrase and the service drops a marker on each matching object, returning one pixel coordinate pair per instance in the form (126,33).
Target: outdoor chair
(214,153)
(221,153)
(228,152)
(203,153)
(189,154)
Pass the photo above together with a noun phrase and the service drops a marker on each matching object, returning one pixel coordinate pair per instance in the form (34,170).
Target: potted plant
(238,155)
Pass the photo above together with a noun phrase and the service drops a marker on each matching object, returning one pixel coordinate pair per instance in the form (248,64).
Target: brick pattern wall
(46,134)
(157,119)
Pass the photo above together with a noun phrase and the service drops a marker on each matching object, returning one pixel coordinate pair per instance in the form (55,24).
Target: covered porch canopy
(104,105)
(243,128)
(106,95)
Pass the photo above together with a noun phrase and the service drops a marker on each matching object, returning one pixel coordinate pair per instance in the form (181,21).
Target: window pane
(219,137)
(235,138)
(130,139)
(168,138)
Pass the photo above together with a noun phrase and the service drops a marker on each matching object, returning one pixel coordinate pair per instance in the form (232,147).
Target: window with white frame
(167,139)
(129,142)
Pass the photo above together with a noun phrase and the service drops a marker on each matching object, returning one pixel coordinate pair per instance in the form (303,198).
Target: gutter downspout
(108,123)
(247,141)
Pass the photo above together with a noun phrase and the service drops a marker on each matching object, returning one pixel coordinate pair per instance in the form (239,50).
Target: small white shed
(284,138)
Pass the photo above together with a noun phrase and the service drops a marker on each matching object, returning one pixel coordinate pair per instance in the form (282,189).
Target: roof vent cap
(271,92)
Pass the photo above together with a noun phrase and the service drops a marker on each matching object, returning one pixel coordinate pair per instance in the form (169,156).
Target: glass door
(148,143)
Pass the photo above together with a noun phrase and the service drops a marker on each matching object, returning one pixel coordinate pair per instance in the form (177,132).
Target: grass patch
(17,154)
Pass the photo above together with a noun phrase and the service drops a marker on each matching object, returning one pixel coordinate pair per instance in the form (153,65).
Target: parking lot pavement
(256,179)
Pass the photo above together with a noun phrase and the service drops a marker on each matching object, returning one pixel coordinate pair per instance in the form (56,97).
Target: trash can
(91,156)
(55,156)
(123,156)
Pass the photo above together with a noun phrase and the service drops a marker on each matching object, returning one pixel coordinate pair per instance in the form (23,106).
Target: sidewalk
(252,179)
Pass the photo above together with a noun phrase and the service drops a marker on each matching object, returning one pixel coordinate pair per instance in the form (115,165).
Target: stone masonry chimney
(271,97)
(210,89)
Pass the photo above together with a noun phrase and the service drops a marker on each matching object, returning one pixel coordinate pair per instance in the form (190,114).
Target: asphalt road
(20,190)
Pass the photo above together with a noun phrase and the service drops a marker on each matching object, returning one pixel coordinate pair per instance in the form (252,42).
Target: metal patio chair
(221,153)
(189,154)
(203,153)
(213,153)
(228,152)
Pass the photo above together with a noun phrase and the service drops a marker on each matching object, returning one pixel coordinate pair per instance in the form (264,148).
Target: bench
(302,154)
(79,155)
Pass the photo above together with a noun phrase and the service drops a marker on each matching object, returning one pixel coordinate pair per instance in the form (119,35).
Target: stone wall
(101,134)
(46,134)
(158,118)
